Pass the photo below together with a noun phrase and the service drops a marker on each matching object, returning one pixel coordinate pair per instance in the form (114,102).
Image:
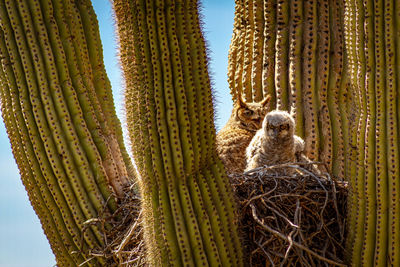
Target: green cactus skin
(334,85)
(257,60)
(54,95)
(187,199)
(281,54)
(295,70)
(367,253)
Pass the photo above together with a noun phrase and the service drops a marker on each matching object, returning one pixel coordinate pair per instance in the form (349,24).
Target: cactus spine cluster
(58,109)
(187,200)
(334,65)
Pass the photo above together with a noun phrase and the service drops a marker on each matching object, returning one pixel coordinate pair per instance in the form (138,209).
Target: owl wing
(253,151)
(254,145)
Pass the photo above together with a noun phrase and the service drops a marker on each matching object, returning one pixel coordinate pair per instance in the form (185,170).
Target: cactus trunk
(188,204)
(57,106)
(343,96)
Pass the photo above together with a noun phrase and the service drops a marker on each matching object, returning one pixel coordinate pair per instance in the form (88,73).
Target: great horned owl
(275,142)
(235,136)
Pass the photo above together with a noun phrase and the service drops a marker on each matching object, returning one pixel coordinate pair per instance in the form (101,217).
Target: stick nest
(291,220)
(123,233)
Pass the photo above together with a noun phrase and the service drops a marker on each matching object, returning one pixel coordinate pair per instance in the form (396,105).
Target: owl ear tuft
(265,101)
(241,102)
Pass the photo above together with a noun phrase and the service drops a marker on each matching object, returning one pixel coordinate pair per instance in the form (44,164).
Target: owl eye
(283,127)
(248,112)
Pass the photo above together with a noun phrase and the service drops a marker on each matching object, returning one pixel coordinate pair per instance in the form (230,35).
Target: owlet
(275,142)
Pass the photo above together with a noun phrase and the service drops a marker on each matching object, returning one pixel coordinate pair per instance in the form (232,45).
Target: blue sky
(22,242)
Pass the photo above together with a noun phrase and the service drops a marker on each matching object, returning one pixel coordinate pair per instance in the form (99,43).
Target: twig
(127,238)
(283,165)
(280,235)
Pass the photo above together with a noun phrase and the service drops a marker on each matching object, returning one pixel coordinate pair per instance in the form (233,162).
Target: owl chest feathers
(269,151)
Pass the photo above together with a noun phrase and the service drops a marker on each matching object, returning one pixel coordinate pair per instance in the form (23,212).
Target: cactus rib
(295,70)
(281,54)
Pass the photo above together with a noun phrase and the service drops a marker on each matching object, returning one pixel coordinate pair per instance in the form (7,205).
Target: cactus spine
(343,97)
(57,105)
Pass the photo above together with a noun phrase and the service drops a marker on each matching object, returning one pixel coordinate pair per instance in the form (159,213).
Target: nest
(291,220)
(123,233)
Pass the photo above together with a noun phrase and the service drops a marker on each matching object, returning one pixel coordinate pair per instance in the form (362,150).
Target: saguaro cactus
(342,88)
(57,106)
(188,203)
(333,64)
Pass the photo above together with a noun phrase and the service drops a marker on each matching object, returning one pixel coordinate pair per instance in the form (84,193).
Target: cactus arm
(63,133)
(39,200)
(281,56)
(222,182)
(295,74)
(73,79)
(171,74)
(103,88)
(350,121)
(178,125)
(96,169)
(65,160)
(110,153)
(89,187)
(44,132)
(32,145)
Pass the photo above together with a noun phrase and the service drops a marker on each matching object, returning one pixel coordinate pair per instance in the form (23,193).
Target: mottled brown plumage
(275,142)
(235,136)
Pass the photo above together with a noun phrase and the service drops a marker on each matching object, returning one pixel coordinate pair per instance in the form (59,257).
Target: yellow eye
(282,127)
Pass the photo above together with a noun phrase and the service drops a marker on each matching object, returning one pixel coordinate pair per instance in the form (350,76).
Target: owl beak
(275,133)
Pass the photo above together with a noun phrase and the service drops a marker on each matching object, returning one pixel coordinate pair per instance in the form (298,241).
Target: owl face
(251,115)
(278,125)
